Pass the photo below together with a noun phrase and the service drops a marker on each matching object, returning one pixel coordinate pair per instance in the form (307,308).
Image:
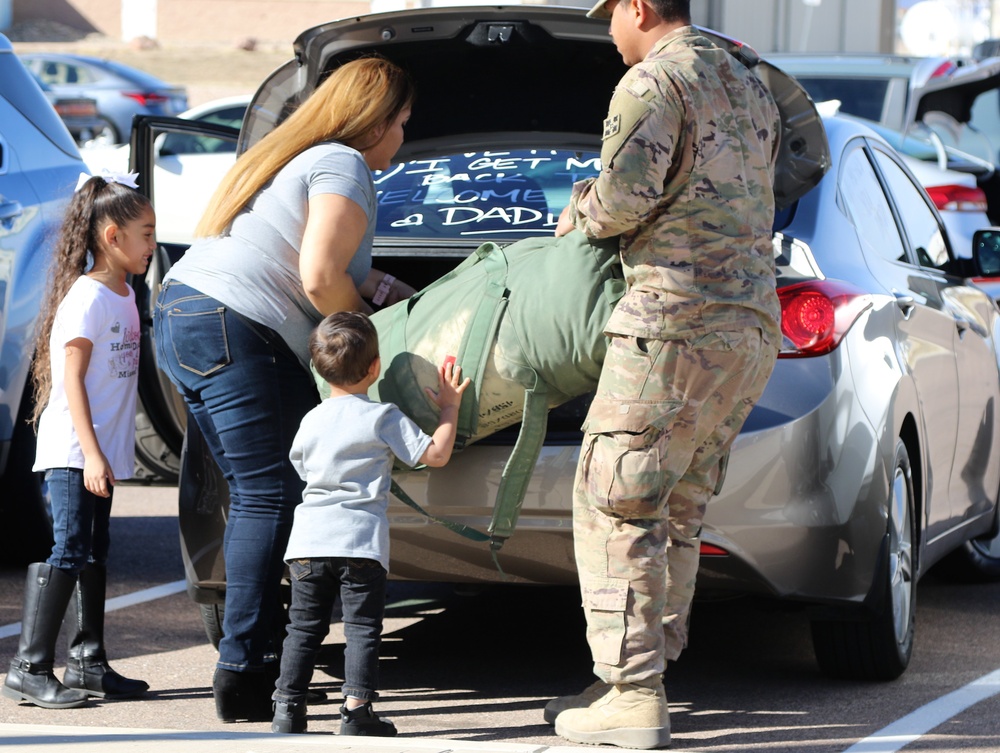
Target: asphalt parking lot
(472,670)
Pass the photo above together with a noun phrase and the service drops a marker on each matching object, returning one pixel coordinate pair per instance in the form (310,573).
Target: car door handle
(905,303)
(9,211)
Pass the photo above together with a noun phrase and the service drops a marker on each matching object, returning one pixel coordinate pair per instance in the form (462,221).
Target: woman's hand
(396,290)
(399,291)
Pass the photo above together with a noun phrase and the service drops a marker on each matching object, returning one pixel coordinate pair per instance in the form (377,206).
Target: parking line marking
(118,602)
(917,723)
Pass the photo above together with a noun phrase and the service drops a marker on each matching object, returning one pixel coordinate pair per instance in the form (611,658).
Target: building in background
(921,27)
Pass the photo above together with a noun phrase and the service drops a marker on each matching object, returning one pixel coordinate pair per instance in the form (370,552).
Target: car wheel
(107,133)
(976,561)
(878,646)
(211,617)
(24,513)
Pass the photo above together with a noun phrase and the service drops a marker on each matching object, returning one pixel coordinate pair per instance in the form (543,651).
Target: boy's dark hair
(343,347)
(672,10)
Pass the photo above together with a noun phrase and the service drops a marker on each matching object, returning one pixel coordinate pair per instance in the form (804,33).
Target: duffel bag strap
(459,528)
(520,465)
(480,335)
(513,482)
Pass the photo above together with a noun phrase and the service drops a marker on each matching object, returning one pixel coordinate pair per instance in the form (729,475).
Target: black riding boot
(87,662)
(46,593)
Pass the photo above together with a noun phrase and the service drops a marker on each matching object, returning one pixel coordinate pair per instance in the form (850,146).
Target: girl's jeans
(315,585)
(247,392)
(81,522)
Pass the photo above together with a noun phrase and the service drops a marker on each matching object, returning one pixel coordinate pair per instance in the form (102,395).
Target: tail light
(73,108)
(957,198)
(147,98)
(944,70)
(711,550)
(816,315)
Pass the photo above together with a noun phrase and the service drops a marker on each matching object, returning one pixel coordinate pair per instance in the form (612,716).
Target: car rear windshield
(864,97)
(493,195)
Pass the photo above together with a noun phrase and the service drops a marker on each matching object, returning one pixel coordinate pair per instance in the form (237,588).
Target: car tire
(975,561)
(24,514)
(878,646)
(107,134)
(211,618)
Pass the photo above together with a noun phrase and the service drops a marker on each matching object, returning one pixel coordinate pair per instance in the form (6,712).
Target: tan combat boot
(558,705)
(630,716)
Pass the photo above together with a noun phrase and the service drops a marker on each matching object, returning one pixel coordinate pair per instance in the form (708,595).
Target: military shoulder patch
(629,107)
(612,125)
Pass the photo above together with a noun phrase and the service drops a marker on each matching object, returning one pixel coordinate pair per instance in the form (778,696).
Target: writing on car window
(513,193)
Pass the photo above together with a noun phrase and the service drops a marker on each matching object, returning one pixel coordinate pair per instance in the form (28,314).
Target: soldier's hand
(563,226)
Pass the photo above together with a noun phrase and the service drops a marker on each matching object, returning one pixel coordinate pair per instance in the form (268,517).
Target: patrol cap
(599,10)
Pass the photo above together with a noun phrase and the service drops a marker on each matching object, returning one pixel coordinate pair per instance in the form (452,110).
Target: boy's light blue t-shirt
(255,268)
(344,452)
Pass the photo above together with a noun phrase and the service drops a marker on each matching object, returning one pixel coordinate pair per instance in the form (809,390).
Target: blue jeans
(247,392)
(81,522)
(315,585)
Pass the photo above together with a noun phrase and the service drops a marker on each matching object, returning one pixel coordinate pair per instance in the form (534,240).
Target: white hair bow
(125,179)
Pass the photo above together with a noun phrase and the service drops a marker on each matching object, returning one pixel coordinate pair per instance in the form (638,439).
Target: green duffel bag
(526,324)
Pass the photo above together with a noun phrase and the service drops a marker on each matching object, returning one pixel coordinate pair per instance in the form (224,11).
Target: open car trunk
(509,112)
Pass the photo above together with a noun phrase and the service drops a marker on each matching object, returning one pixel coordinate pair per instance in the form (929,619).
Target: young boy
(340,535)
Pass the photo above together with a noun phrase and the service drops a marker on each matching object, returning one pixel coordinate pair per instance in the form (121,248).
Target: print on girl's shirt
(124,362)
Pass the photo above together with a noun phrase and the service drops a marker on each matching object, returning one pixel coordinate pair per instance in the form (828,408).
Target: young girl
(85,377)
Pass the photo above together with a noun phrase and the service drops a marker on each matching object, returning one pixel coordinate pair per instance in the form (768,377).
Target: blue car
(39,167)
(121,91)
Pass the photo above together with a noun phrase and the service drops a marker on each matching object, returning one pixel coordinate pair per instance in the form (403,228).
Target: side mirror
(986,251)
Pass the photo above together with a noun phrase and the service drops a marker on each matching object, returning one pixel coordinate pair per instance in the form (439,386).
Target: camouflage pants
(662,421)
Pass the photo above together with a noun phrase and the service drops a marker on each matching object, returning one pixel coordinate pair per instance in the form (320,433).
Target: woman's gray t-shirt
(255,268)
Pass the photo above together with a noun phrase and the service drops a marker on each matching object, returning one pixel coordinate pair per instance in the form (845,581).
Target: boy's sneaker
(365,722)
(289,717)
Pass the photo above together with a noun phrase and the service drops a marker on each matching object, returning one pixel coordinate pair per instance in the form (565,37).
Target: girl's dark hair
(95,204)
(343,347)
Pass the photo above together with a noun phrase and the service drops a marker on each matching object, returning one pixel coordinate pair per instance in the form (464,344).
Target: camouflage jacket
(687,170)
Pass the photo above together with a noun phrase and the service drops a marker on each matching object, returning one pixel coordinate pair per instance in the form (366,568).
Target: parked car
(78,113)
(39,167)
(870,456)
(951,178)
(879,87)
(188,166)
(955,101)
(120,90)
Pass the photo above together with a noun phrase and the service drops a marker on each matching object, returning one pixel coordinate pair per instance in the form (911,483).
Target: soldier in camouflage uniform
(688,156)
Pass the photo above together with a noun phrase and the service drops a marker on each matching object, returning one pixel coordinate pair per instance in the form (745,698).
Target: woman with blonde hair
(285,240)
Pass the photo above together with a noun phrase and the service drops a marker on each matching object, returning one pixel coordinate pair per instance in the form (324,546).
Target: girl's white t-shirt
(111,322)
